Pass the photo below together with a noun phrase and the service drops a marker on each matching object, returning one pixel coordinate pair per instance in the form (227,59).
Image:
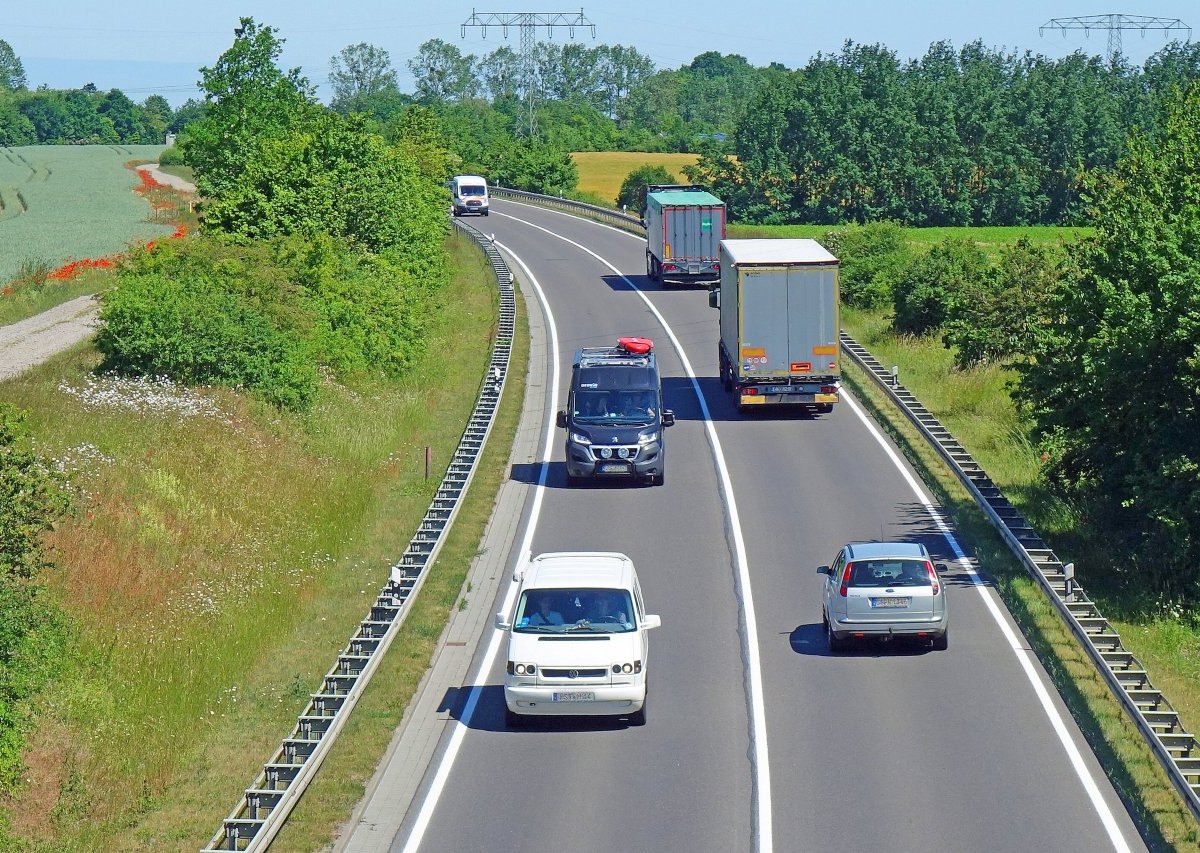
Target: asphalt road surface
(757,738)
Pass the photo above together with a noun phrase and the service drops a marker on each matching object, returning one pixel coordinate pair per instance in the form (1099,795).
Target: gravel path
(29,342)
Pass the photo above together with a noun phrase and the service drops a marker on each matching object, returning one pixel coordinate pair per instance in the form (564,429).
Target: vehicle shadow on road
(488,714)
(810,640)
(556,477)
(680,397)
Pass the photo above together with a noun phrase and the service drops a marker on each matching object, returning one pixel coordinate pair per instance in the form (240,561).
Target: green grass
(215,567)
(32,293)
(64,202)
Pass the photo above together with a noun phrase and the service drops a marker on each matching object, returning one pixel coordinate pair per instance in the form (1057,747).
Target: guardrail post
(895,376)
(1069,576)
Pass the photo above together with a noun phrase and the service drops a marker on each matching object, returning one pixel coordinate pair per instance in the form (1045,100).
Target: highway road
(757,738)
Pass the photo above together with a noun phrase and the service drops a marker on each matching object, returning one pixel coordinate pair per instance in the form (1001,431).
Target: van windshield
(566,611)
(471,189)
(628,407)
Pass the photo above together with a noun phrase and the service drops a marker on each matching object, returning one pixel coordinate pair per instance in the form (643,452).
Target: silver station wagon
(884,590)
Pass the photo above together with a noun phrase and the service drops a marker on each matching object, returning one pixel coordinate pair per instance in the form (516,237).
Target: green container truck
(684,227)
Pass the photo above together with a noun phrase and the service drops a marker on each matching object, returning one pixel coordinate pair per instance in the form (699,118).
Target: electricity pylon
(528,22)
(1115,24)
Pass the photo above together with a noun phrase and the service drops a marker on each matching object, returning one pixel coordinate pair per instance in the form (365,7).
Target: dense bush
(1002,315)
(874,257)
(32,630)
(932,285)
(171,157)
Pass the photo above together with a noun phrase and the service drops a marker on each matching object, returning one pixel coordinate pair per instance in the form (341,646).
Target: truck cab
(615,418)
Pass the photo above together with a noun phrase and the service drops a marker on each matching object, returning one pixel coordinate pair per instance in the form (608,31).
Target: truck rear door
(812,319)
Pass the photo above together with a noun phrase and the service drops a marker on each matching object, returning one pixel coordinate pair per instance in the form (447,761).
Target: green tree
(156,116)
(247,99)
(360,75)
(12,72)
(124,115)
(443,73)
(1115,388)
(632,195)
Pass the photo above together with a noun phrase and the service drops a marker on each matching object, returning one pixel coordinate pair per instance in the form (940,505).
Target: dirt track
(29,342)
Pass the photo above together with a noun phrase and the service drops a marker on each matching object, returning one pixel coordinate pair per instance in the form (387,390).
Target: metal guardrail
(255,821)
(1176,749)
(592,211)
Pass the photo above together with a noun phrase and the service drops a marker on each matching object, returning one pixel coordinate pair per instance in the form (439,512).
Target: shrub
(930,287)
(171,157)
(874,258)
(205,315)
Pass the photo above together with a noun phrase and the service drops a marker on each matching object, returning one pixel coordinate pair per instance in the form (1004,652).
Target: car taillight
(933,578)
(845,579)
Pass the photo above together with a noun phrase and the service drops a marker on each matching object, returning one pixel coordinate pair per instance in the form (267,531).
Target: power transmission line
(528,22)
(1115,24)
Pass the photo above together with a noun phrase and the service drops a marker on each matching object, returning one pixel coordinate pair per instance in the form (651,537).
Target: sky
(145,48)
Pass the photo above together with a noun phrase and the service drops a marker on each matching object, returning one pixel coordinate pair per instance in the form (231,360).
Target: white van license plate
(575,696)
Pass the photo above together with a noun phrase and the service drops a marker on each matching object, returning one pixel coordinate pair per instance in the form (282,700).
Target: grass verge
(221,556)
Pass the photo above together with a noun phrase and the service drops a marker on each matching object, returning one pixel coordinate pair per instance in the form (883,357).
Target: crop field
(60,203)
(603,172)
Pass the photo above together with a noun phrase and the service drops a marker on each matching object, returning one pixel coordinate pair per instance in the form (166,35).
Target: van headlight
(627,668)
(522,668)
(580,438)
(647,437)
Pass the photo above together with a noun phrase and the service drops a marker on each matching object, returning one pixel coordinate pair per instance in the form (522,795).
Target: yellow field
(603,172)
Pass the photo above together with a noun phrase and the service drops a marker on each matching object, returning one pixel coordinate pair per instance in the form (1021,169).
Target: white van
(469,194)
(577,639)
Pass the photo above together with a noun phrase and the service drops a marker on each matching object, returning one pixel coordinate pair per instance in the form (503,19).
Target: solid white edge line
(1024,656)
(462,725)
(762,829)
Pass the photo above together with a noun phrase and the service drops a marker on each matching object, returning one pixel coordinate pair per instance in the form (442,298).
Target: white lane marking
(761,785)
(1024,656)
(421,824)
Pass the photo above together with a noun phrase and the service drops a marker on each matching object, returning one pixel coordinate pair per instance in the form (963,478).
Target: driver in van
(603,610)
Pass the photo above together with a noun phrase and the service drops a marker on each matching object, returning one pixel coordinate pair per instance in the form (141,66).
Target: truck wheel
(824,408)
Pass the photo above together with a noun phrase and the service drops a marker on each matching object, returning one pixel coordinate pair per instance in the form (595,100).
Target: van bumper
(611,700)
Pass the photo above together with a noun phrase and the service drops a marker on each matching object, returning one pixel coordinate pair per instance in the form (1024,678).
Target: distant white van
(468,194)
(577,639)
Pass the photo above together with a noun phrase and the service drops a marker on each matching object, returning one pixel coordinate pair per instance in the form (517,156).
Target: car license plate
(614,468)
(575,696)
(889,602)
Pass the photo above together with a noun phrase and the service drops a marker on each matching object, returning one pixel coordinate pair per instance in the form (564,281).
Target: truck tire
(824,408)
(649,266)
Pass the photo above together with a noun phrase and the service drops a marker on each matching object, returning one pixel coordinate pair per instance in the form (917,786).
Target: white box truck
(684,225)
(779,323)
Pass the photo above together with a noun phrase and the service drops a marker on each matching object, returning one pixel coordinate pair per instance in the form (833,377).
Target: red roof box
(636,345)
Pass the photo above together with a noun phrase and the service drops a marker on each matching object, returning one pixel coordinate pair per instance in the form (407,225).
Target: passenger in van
(545,614)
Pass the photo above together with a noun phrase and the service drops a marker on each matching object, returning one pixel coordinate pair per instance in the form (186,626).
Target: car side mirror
(714,298)
(502,624)
(649,622)
(823,570)
(668,418)
(561,420)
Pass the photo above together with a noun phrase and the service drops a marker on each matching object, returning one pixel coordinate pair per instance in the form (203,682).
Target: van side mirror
(561,419)
(502,624)
(822,570)
(668,418)
(714,298)
(649,622)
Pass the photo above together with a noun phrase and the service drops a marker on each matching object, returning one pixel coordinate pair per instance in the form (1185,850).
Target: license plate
(614,468)
(781,389)
(890,602)
(575,696)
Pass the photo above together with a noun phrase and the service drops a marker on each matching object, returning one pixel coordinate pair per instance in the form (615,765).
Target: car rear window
(888,572)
